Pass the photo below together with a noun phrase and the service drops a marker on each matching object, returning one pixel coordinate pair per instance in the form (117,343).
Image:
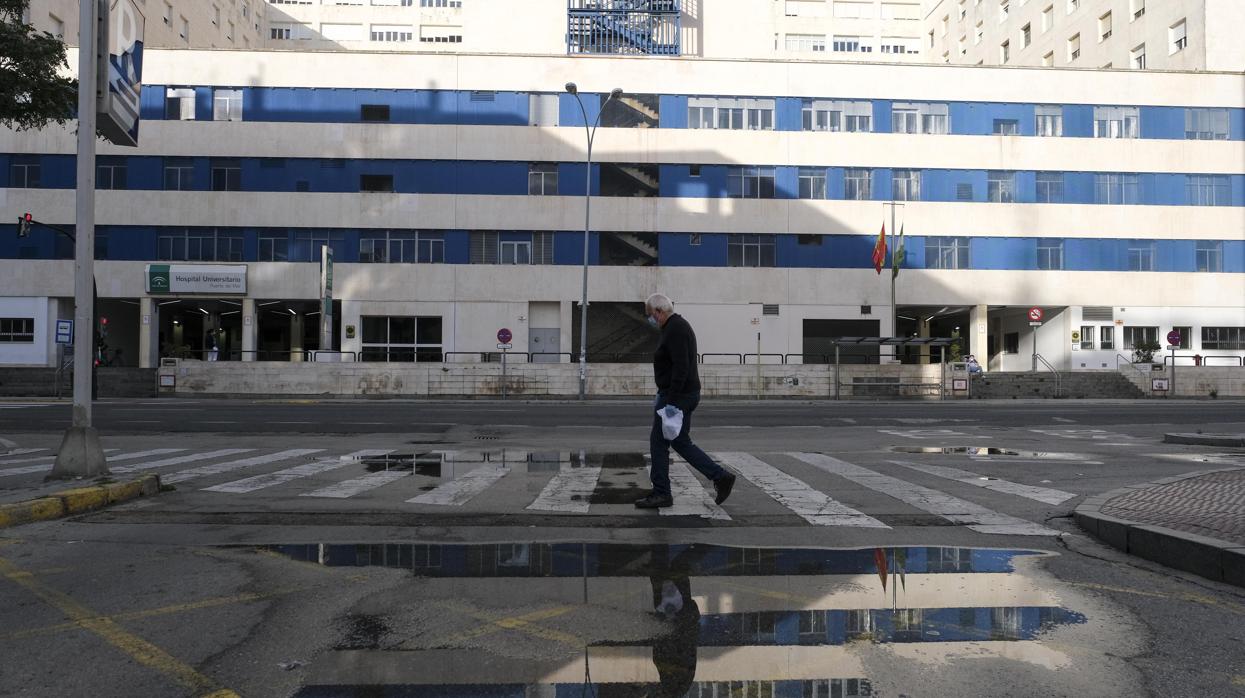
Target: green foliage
(1143,351)
(34,91)
(956,351)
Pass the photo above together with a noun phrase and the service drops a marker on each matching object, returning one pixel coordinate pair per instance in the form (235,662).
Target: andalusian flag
(897,256)
(879,250)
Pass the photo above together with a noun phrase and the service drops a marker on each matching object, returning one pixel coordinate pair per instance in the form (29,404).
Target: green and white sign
(196,279)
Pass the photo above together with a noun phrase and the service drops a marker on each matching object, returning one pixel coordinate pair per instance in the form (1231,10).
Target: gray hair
(659,302)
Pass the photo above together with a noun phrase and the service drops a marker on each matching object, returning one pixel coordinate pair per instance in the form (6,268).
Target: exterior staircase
(1003,385)
(652,117)
(635,242)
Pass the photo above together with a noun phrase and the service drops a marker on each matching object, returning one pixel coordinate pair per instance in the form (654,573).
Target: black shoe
(723,487)
(654,501)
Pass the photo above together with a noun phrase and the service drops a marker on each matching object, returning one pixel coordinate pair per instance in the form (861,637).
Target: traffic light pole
(80,454)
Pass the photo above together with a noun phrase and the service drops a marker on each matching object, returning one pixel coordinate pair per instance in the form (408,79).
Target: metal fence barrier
(1225,359)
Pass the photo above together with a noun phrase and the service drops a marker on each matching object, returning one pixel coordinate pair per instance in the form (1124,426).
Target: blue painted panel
(1175,255)
(457,247)
(569,113)
(202,174)
(1026,186)
(475,177)
(1078,121)
(1078,187)
(1236,124)
(571,179)
(1234,256)
(203,103)
(676,250)
(1162,122)
(1237,184)
(786,182)
(144,172)
(914,252)
(880,184)
(787,116)
(834,182)
(882,115)
(1002,253)
(673,111)
(1095,255)
(677,180)
(151,103)
(1168,189)
(504,109)
(790,253)
(977,118)
(58,172)
(851,251)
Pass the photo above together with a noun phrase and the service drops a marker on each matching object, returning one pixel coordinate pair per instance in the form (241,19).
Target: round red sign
(1173,337)
(1035,314)
(504,336)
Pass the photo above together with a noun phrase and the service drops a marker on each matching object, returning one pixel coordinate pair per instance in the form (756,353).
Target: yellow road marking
(1181,596)
(139,649)
(524,623)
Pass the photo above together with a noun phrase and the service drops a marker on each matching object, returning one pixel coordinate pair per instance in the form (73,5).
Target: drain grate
(486,437)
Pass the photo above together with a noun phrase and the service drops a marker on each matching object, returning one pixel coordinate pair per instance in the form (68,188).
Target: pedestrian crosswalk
(816,489)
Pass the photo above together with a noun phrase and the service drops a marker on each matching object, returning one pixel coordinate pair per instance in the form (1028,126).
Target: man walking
(678,384)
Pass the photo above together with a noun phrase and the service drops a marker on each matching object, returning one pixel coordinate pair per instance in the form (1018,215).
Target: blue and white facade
(451,188)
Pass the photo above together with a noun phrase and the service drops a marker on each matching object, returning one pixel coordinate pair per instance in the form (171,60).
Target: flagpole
(894,308)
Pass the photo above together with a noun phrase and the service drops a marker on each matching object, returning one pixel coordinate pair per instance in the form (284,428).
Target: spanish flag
(879,250)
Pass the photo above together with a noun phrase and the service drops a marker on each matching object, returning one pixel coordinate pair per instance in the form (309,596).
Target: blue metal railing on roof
(641,27)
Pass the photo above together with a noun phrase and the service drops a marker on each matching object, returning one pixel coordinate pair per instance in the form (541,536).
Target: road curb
(1212,558)
(76,501)
(1225,440)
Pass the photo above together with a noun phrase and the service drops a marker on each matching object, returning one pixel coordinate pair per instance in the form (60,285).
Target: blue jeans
(682,444)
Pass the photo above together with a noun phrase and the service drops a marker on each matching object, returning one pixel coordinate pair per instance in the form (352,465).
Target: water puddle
(571,619)
(986,451)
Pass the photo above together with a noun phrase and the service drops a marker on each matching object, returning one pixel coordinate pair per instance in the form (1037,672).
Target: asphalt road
(396,416)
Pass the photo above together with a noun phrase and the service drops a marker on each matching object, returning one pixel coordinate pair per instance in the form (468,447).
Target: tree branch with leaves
(34,91)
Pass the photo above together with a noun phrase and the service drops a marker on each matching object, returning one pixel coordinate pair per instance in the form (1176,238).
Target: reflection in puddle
(986,451)
(561,619)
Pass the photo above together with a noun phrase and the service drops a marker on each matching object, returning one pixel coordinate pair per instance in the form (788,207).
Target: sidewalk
(1193,522)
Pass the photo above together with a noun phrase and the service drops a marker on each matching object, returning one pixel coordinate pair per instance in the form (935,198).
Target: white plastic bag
(671,422)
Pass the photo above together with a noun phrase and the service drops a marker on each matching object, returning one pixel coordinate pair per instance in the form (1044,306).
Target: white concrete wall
(40,352)
(249,31)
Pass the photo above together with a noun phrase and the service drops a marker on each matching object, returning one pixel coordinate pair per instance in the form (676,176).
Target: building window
(830,115)
(1210,256)
(730,113)
(906,185)
(1141,255)
(400,339)
(812,182)
(964,191)
(199,245)
(1074,48)
(1004,10)
(227,105)
(185,33)
(806,43)
(1115,188)
(1206,124)
(1073,5)
(857,184)
(920,117)
(17,330)
(542,179)
(1006,127)
(511,248)
(1178,37)
(1104,27)
(1048,18)
(401,247)
(1049,254)
(1087,337)
(179,103)
(946,252)
(1138,8)
(226,175)
(376,183)
(1137,58)
(179,174)
(1186,336)
(1001,187)
(1011,343)
(979,33)
(694,239)
(750,182)
(1208,190)
(1026,35)
(514,252)
(274,248)
(1049,187)
(850,44)
(1117,122)
(750,250)
(1048,60)
(110,173)
(392,34)
(374,113)
(1005,51)
(1134,335)
(1107,333)
(1223,338)
(25,172)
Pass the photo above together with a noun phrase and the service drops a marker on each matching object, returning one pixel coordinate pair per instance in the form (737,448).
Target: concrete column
(565,320)
(923,331)
(248,329)
(978,331)
(296,337)
(148,333)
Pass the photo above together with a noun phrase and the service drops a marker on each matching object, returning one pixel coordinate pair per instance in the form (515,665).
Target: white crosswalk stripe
(795,494)
(975,517)
(259,482)
(690,498)
(188,458)
(460,491)
(568,490)
(358,485)
(8,457)
(1041,494)
(42,467)
(218,468)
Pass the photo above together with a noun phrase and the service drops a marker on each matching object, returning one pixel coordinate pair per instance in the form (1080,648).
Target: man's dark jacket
(674,362)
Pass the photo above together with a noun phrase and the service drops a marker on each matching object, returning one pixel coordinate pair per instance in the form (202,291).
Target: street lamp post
(583,303)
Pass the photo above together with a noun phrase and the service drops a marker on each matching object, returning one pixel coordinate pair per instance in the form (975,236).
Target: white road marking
(7,444)
(189,458)
(795,494)
(44,467)
(22,452)
(927,433)
(349,488)
(690,497)
(218,468)
(259,482)
(568,490)
(21,407)
(460,491)
(977,518)
(1099,435)
(1009,459)
(1040,494)
(1064,419)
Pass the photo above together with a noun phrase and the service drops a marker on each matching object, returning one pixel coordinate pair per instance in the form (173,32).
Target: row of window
(17,330)
(744,181)
(745,113)
(737,250)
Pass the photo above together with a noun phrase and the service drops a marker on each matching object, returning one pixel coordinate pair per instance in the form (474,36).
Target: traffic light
(23,225)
